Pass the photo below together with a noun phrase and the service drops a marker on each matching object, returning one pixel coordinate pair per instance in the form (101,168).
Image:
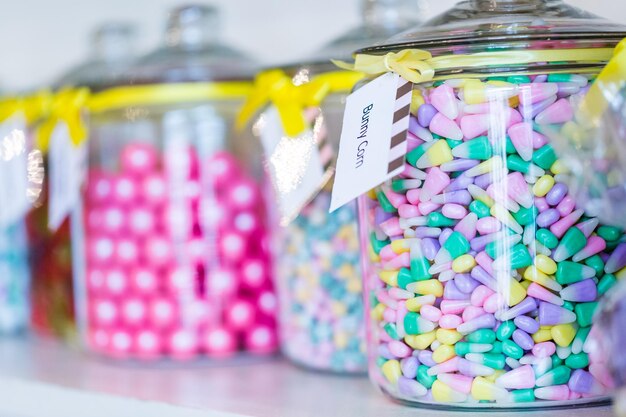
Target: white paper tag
(294,164)
(66,172)
(13,171)
(373,138)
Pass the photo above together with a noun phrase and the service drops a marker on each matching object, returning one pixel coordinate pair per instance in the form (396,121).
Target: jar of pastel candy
(14,279)
(172,237)
(52,307)
(482,273)
(317,268)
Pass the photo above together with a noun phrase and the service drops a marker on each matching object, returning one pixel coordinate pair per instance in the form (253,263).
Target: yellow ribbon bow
(275,87)
(607,86)
(67,107)
(33,107)
(411,64)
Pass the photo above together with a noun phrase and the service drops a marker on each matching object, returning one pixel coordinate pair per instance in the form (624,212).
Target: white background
(41,38)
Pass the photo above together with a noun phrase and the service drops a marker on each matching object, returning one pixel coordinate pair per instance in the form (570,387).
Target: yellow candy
(372,194)
(444,394)
(495,375)
(482,389)
(542,335)
(474,92)
(463,264)
(526,284)
(545,264)
(402,245)
(535,275)
(448,337)
(341,340)
(373,255)
(354,286)
(416,303)
(439,153)
(621,273)
(563,334)
(558,167)
(389,277)
(431,286)
(338,309)
(516,293)
(377,312)
(443,353)
(392,371)
(420,341)
(543,185)
(417,101)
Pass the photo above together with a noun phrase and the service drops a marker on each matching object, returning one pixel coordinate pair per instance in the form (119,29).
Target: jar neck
(192,27)
(388,13)
(114,42)
(510,6)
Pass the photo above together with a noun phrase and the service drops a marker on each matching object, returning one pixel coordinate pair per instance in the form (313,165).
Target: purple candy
(430,247)
(617,260)
(445,234)
(452,292)
(581,381)
(383,350)
(479,243)
(409,367)
(548,217)
(556,194)
(484,181)
(422,232)
(527,324)
(410,387)
(462,197)
(459,165)
(425,114)
(527,305)
(523,339)
(380,215)
(482,276)
(465,283)
(580,292)
(426,357)
(460,183)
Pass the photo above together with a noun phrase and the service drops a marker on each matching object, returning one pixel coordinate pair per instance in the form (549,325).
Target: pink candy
(177,263)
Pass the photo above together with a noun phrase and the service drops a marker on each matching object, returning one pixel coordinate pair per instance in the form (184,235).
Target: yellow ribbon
(277,88)
(67,107)
(419,66)
(606,87)
(142,95)
(33,107)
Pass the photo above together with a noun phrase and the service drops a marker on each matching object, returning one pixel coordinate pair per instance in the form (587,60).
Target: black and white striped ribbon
(400,128)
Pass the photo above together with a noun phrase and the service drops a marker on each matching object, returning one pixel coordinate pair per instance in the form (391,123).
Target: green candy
(482,336)
(573,242)
(415,154)
(439,220)
(512,349)
(559,78)
(556,361)
(505,330)
(577,361)
(494,360)
(479,148)
(596,263)
(498,247)
(568,305)
(404,278)
(423,377)
(520,257)
(523,395)
(612,245)
(510,148)
(516,163)
(544,157)
(547,238)
(377,245)
(497,347)
(606,283)
(385,203)
(526,216)
(454,143)
(570,272)
(609,233)
(518,79)
(390,328)
(557,376)
(580,338)
(584,313)
(380,361)
(419,269)
(463,348)
(457,245)
(480,209)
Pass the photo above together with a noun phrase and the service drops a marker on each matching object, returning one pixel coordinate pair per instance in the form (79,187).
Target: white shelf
(46,379)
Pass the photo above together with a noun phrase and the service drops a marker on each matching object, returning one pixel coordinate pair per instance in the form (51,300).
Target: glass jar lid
(192,52)
(113,50)
(495,25)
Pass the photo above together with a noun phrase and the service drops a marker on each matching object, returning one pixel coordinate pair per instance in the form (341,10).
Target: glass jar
(317,253)
(52,310)
(172,236)
(482,274)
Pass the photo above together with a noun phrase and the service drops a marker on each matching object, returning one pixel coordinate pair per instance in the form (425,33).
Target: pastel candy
(445,127)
